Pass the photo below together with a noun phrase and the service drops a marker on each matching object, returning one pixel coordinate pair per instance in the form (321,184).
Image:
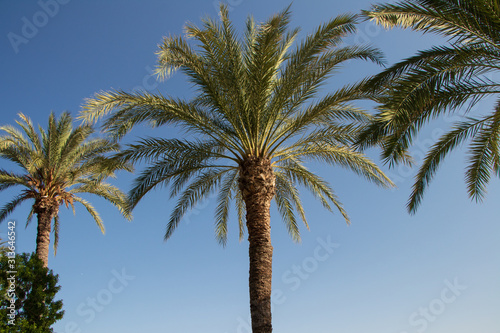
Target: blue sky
(388,272)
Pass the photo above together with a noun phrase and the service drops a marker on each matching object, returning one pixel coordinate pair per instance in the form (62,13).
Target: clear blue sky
(389,272)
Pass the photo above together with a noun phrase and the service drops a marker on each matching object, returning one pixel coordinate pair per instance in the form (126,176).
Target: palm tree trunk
(257,185)
(45,212)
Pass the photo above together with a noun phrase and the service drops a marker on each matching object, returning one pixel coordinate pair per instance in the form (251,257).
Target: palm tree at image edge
(56,166)
(253,124)
(438,81)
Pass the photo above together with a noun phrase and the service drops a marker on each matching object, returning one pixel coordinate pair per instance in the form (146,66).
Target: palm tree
(441,80)
(254,122)
(56,166)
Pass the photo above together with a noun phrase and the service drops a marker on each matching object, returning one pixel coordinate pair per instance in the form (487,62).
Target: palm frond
(463,21)
(340,156)
(106,191)
(448,141)
(10,206)
(315,184)
(8,179)
(205,183)
(56,233)
(484,154)
(92,211)
(288,200)
(223,201)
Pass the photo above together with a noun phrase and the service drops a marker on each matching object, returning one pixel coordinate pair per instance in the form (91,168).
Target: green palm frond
(443,79)
(463,21)
(297,173)
(448,141)
(326,152)
(8,179)
(223,204)
(10,206)
(484,156)
(92,211)
(288,201)
(30,132)
(177,167)
(30,217)
(56,233)
(107,191)
(199,189)
(240,210)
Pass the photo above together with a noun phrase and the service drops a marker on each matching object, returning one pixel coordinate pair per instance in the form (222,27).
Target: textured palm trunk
(257,185)
(45,212)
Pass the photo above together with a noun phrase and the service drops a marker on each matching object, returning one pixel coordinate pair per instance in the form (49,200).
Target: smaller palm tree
(57,166)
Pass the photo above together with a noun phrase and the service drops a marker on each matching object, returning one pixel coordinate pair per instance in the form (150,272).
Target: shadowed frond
(10,206)
(483,156)
(296,172)
(461,132)
(223,203)
(443,79)
(288,201)
(199,189)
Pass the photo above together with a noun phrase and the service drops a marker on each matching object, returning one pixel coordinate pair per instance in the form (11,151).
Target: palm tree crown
(256,119)
(251,103)
(56,166)
(440,80)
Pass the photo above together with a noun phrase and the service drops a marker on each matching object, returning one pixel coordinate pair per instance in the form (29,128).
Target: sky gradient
(388,272)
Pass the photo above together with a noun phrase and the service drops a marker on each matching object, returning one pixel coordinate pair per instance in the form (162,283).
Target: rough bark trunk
(257,185)
(45,212)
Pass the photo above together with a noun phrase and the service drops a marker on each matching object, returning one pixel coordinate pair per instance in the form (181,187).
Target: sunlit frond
(92,211)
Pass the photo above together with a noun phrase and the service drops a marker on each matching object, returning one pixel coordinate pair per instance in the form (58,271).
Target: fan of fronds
(442,79)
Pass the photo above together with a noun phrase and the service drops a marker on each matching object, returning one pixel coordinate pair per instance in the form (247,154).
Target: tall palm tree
(254,122)
(55,167)
(440,80)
